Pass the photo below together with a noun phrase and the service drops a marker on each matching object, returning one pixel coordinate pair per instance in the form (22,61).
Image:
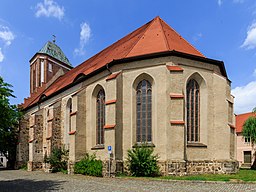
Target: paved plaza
(19,180)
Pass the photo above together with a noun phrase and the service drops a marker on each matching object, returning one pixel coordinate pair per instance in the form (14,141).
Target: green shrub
(58,160)
(23,167)
(142,162)
(89,165)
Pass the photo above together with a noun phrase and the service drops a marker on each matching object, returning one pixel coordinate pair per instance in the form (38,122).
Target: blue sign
(109,148)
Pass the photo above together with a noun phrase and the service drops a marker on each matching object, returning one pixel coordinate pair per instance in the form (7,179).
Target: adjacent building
(152,86)
(244,147)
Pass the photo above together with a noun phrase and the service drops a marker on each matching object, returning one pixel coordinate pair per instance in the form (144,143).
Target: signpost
(109,152)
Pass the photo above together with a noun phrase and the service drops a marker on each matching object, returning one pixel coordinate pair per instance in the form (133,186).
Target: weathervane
(54,39)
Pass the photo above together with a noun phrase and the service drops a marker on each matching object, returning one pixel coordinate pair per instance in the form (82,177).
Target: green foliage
(58,160)
(249,129)
(254,110)
(142,162)
(242,175)
(23,167)
(89,165)
(9,119)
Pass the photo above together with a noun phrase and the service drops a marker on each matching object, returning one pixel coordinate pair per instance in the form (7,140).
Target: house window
(50,67)
(144,112)
(100,117)
(193,111)
(42,71)
(67,127)
(230,112)
(247,139)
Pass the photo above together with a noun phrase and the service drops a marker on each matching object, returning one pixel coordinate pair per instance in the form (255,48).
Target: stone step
(246,166)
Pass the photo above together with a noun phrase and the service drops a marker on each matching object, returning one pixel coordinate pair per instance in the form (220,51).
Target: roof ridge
(166,42)
(182,37)
(149,24)
(244,113)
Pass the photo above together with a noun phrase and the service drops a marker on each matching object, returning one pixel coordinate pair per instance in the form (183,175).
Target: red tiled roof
(154,37)
(240,119)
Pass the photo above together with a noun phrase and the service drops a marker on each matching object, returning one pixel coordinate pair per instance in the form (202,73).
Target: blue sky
(220,29)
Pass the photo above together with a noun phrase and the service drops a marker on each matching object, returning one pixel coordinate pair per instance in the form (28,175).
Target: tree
(249,131)
(9,119)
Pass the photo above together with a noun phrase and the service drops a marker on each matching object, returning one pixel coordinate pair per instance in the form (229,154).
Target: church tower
(47,65)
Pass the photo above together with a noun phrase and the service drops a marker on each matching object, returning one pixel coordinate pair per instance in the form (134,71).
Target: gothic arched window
(144,112)
(193,111)
(69,112)
(100,117)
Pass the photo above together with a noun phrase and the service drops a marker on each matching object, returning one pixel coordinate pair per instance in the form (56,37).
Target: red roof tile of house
(154,37)
(240,119)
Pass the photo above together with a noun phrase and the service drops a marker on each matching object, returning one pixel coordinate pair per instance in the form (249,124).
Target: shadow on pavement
(29,185)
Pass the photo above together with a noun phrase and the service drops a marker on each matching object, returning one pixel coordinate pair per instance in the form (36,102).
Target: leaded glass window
(193,111)
(144,112)
(100,117)
(70,111)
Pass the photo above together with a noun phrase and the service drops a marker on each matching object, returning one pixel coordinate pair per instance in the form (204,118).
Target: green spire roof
(54,51)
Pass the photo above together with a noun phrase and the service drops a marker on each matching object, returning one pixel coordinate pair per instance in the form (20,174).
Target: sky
(220,29)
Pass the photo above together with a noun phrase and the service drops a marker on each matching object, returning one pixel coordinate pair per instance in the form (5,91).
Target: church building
(150,87)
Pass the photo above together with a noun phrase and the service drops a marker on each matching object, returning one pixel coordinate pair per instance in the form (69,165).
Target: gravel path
(18,180)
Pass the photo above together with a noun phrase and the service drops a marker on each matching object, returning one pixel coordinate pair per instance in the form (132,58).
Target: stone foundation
(47,167)
(71,167)
(19,164)
(116,166)
(170,167)
(175,168)
(33,166)
(200,167)
(181,167)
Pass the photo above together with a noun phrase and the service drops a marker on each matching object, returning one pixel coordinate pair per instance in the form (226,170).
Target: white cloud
(6,35)
(49,8)
(220,2)
(85,35)
(250,41)
(1,55)
(245,97)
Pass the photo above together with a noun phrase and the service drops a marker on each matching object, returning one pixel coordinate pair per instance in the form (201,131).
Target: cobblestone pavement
(18,180)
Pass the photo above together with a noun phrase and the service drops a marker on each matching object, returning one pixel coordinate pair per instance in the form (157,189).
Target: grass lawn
(242,175)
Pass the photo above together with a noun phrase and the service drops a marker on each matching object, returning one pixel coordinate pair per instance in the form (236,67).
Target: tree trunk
(254,157)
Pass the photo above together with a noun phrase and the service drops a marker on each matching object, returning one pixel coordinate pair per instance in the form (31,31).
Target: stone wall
(38,139)
(33,166)
(22,148)
(56,129)
(201,167)
(116,166)
(178,167)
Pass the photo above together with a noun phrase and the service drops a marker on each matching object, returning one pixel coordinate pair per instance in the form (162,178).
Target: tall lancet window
(144,112)
(193,111)
(42,71)
(100,117)
(70,111)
